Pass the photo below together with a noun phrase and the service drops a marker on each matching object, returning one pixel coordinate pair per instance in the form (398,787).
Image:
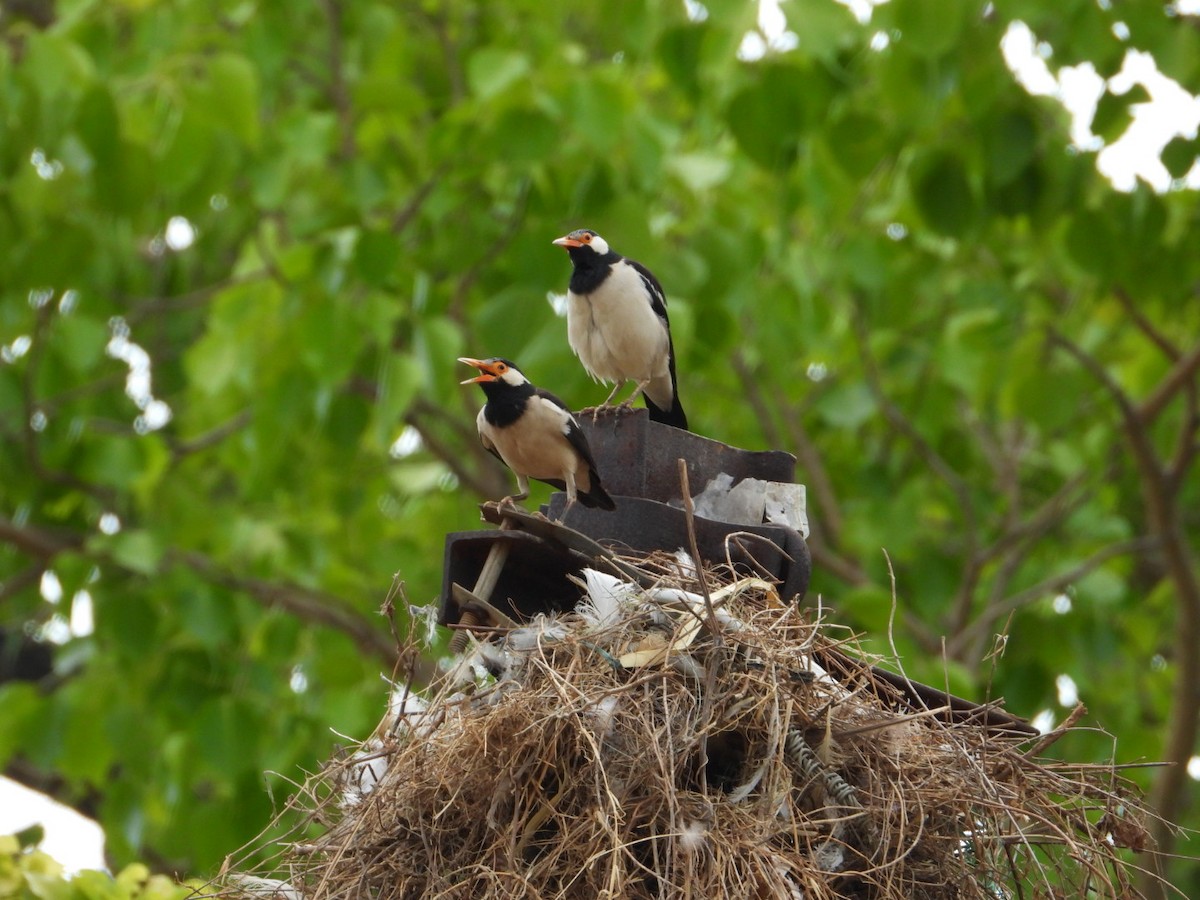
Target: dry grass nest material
(651,746)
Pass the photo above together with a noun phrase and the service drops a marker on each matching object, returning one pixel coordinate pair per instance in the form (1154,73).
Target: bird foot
(597,411)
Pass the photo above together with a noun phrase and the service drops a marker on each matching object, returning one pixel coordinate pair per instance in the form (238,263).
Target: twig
(1051,737)
(689,513)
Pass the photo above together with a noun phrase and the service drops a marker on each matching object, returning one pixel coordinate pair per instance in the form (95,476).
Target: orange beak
(567,241)
(487,372)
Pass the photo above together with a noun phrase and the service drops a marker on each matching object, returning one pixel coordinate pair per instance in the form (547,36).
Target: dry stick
(484,585)
(689,510)
(1051,736)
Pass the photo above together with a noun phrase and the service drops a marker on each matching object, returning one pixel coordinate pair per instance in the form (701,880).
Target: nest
(665,744)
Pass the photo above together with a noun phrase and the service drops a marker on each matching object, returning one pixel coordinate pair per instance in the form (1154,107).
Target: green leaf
(769,116)
(80,341)
(234,86)
(847,405)
(1010,139)
(20,703)
(491,70)
(700,171)
(1179,155)
(928,28)
(99,127)
(942,191)
(1114,112)
(138,550)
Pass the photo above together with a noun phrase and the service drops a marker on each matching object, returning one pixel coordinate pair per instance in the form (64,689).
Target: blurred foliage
(27,873)
(881,255)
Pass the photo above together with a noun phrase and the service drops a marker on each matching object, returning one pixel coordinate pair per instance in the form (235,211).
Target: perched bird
(533,433)
(617,325)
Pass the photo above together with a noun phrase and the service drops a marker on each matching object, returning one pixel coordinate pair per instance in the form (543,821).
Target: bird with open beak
(533,433)
(617,325)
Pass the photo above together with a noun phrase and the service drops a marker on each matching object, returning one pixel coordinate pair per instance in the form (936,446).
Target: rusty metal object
(637,457)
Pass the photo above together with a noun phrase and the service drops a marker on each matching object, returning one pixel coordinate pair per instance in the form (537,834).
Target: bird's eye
(587,238)
(502,368)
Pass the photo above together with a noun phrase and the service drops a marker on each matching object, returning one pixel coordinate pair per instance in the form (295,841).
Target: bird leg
(616,390)
(627,403)
(607,404)
(522,488)
(572,493)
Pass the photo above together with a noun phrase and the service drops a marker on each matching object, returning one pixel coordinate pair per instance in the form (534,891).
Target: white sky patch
(68,301)
(47,169)
(1193,768)
(154,413)
(57,630)
(180,233)
(817,371)
(74,840)
(10,353)
(1061,604)
(51,588)
(1043,721)
(110,523)
(1171,111)
(1068,693)
(407,444)
(299,681)
(772,34)
(82,622)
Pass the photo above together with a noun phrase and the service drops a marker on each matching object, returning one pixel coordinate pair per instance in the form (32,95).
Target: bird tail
(675,416)
(597,496)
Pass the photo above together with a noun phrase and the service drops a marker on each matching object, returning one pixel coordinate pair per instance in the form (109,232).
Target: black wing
(658,297)
(575,435)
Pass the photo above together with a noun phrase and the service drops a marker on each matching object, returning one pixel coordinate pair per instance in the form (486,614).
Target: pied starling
(617,325)
(533,433)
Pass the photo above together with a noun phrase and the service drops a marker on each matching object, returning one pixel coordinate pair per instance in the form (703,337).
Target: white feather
(605,594)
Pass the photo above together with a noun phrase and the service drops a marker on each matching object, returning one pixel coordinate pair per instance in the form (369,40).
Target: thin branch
(1179,376)
(471,477)
(312,606)
(509,229)
(304,603)
(40,543)
(978,628)
(901,423)
(26,578)
(1163,520)
(409,210)
(815,473)
(339,93)
(156,306)
(1145,326)
(211,438)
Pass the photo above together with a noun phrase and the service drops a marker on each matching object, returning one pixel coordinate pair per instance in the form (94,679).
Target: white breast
(536,444)
(614,332)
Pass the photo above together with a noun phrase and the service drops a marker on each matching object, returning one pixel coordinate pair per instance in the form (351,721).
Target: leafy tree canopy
(245,241)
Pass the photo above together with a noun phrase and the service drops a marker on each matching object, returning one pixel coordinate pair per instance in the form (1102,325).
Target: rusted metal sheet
(637,457)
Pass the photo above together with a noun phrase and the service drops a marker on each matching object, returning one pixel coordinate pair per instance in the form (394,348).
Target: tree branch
(304,603)
(956,646)
(1164,522)
(312,606)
